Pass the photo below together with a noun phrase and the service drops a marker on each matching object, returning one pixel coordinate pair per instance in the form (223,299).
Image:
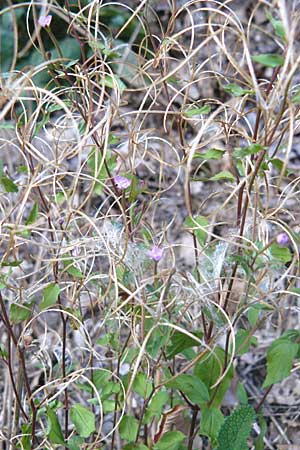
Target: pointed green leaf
(142,385)
(32,215)
(180,341)
(16,263)
(210,424)
(296,97)
(196,224)
(75,443)
(83,419)
(253,314)
(191,386)
(128,428)
(7,126)
(242,152)
(71,269)
(243,341)
(156,406)
(113,82)
(26,436)
(223,175)
(135,447)
(212,153)
(8,184)
(50,295)
(171,440)
(209,371)
(259,442)
(269,59)
(54,432)
(18,312)
(242,394)
(74,272)
(196,111)
(237,90)
(236,429)
(280,357)
(282,254)
(100,378)
(277,25)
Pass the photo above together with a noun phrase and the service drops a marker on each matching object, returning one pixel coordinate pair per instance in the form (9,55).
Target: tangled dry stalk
(149,224)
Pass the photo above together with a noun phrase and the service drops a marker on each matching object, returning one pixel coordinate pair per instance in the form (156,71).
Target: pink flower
(45,21)
(282,239)
(76,251)
(156,253)
(121,182)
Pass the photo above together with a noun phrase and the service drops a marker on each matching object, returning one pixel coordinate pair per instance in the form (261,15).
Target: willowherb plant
(149,277)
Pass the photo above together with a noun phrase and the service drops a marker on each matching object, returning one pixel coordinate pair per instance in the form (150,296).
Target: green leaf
(242,394)
(156,406)
(74,272)
(277,25)
(135,190)
(236,429)
(26,436)
(259,442)
(135,447)
(253,314)
(50,295)
(196,111)
(7,126)
(282,254)
(100,378)
(211,422)
(83,419)
(170,441)
(269,59)
(18,312)
(108,405)
(191,386)
(194,224)
(279,165)
(54,432)
(113,82)
(16,263)
(100,171)
(75,443)
(243,341)
(295,290)
(237,90)
(280,357)
(22,169)
(32,215)
(8,184)
(157,341)
(180,341)
(212,153)
(242,152)
(142,385)
(110,388)
(128,428)
(296,97)
(71,269)
(3,352)
(209,371)
(223,175)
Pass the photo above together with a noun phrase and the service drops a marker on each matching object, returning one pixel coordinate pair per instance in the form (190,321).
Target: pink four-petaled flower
(45,21)
(282,239)
(156,253)
(122,182)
